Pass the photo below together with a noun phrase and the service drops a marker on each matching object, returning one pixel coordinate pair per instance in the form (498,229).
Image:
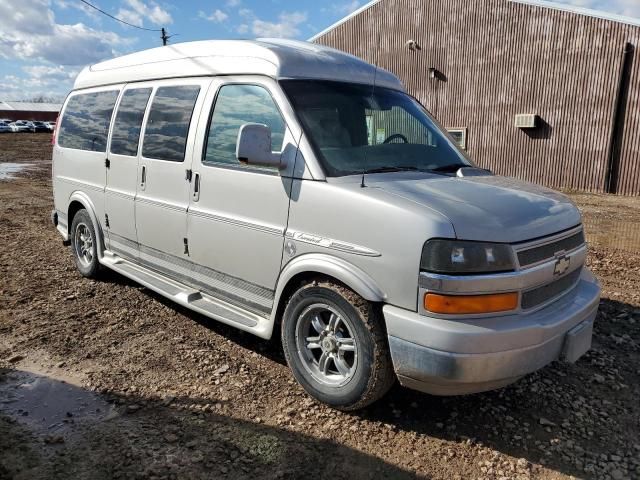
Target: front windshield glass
(355,129)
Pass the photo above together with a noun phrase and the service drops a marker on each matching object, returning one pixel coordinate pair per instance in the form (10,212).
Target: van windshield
(356,129)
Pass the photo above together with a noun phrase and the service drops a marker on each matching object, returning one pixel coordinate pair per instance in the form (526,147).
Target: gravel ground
(104,379)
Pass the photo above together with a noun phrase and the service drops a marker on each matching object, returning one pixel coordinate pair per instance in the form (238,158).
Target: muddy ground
(104,379)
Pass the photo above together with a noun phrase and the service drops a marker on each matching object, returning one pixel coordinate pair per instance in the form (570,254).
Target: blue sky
(44,43)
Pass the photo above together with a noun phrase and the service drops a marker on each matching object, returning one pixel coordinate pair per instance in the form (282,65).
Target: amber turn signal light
(466,304)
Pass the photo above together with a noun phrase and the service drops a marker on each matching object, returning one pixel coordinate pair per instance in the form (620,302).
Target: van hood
(487,208)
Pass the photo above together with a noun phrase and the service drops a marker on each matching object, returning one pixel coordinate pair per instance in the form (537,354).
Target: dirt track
(108,380)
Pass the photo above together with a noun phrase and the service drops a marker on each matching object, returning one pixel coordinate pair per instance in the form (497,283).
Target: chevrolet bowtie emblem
(561,266)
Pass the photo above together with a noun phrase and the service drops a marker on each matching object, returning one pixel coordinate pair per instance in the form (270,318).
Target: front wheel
(335,344)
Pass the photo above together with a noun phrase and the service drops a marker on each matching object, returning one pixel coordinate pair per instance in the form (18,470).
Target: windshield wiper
(454,167)
(392,169)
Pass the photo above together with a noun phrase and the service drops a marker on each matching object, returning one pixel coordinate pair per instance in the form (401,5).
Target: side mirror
(254,146)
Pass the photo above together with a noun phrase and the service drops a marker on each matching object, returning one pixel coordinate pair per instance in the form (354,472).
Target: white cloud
(286,27)
(217,16)
(233,3)
(242,29)
(137,11)
(90,12)
(40,81)
(49,73)
(30,31)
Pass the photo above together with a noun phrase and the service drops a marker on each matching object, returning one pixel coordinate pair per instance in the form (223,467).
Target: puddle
(47,405)
(613,233)
(8,170)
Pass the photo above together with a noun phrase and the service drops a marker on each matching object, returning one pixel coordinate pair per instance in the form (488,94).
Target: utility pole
(164,37)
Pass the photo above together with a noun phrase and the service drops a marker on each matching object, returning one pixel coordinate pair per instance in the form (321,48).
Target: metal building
(29,111)
(531,89)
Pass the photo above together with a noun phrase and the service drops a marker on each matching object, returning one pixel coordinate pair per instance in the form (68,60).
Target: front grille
(544,252)
(540,295)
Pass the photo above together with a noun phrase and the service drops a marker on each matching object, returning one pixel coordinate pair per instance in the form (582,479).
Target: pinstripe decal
(90,186)
(236,221)
(158,203)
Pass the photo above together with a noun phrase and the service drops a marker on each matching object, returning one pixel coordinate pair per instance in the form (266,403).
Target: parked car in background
(21,126)
(40,127)
(51,126)
(5,127)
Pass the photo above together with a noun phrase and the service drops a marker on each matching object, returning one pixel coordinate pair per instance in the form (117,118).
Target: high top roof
(280,59)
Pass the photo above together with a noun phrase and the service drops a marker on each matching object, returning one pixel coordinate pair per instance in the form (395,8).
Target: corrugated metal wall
(498,59)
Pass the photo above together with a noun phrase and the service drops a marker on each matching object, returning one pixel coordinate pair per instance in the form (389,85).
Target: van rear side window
(85,123)
(165,136)
(128,122)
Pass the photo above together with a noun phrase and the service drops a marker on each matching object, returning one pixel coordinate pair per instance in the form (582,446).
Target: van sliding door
(163,173)
(122,168)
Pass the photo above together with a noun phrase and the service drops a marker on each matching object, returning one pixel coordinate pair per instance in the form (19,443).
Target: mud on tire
(353,379)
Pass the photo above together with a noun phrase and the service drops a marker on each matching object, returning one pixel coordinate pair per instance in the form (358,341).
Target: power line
(122,21)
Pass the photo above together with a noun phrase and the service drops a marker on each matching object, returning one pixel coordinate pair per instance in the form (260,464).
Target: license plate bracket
(577,341)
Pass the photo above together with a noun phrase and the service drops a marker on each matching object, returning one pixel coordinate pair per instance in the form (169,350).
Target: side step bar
(189,297)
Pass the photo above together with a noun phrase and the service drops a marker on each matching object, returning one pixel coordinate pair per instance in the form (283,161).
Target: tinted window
(126,128)
(356,129)
(165,136)
(85,124)
(235,106)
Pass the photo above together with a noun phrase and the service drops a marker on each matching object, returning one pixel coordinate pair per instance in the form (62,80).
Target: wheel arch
(315,265)
(77,201)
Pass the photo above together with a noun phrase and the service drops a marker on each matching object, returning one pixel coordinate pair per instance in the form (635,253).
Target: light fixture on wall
(412,45)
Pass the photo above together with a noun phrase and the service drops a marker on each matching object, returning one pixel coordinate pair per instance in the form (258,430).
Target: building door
(122,172)
(163,182)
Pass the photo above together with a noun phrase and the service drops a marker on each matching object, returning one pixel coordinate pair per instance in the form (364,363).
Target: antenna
(373,89)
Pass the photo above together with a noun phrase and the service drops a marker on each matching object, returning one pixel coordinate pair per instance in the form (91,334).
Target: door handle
(196,187)
(143,177)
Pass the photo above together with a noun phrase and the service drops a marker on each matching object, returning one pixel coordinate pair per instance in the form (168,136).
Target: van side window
(165,136)
(128,122)
(85,123)
(235,106)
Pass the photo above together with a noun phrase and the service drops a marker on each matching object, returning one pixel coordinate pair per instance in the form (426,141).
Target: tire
(84,244)
(335,344)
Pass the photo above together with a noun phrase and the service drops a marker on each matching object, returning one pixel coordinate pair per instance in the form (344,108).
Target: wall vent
(527,120)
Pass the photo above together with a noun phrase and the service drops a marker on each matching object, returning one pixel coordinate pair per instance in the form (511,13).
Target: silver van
(283,186)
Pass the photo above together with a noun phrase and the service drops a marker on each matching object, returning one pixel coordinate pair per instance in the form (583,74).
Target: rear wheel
(335,344)
(84,244)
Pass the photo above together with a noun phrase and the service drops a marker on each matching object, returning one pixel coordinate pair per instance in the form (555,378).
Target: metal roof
(588,12)
(30,106)
(276,58)
(538,3)
(342,20)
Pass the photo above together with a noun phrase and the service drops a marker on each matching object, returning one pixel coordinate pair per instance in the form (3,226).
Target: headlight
(459,257)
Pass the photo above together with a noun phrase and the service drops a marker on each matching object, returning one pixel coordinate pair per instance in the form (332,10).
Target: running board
(189,297)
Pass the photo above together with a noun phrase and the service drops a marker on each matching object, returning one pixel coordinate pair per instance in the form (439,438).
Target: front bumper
(461,356)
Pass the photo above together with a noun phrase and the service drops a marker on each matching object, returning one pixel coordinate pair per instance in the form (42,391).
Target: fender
(341,270)
(83,198)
